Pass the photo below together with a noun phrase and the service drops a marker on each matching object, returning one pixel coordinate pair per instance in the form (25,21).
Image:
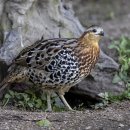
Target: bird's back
(51,62)
(57,62)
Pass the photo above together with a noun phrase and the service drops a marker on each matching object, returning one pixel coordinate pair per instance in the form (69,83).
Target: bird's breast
(87,59)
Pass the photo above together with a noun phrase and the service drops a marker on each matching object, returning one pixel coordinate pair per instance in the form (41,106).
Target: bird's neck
(88,53)
(90,42)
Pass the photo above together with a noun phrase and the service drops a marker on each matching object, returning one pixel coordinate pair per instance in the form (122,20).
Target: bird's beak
(101,33)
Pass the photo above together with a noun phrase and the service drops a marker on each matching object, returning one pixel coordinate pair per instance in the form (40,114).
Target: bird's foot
(66,103)
(48,110)
(72,110)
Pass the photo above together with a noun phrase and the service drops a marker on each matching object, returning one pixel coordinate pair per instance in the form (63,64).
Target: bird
(57,64)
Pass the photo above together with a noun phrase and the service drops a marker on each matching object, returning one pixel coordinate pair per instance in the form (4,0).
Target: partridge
(57,64)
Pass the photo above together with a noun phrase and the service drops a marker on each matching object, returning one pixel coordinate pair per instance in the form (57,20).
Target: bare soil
(114,117)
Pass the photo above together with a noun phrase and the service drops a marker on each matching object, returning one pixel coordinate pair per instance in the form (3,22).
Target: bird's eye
(94,30)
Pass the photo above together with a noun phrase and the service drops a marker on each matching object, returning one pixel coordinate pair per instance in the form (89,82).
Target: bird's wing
(41,53)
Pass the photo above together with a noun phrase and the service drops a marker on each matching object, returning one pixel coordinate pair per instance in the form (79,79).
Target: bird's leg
(49,108)
(65,102)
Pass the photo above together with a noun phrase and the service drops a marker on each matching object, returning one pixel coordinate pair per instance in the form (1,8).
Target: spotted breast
(51,62)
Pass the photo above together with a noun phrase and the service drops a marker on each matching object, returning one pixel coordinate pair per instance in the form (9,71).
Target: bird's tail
(5,83)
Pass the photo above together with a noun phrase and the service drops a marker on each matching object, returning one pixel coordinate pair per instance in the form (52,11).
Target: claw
(65,103)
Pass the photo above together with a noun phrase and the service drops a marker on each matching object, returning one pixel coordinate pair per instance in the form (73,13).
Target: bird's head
(93,34)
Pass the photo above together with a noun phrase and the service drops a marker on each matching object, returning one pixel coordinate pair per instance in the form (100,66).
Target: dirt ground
(115,19)
(114,117)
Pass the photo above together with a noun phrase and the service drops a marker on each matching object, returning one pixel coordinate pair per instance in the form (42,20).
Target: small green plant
(123,48)
(124,95)
(31,99)
(110,98)
(44,123)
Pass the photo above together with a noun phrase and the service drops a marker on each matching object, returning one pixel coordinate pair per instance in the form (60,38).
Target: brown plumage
(57,64)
